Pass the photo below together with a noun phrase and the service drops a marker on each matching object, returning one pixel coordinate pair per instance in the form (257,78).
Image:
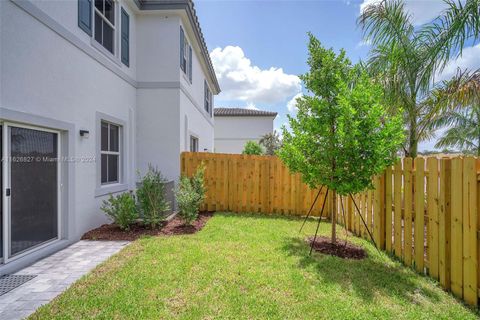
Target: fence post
(388,209)
(432,207)
(457,228)
(379,213)
(397,189)
(444,222)
(407,217)
(470,217)
(419,204)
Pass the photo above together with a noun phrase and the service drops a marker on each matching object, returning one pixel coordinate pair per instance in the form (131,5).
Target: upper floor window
(185,55)
(104,23)
(208,98)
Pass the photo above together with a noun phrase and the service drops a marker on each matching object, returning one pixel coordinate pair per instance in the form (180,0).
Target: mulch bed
(176,226)
(340,249)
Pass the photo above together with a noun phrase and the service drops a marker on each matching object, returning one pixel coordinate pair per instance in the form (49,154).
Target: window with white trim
(185,55)
(193,144)
(110,153)
(207,98)
(104,24)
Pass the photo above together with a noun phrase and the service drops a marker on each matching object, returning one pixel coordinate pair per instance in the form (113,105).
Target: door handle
(7,192)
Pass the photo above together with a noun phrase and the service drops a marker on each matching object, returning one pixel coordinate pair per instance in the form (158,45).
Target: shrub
(190,194)
(151,197)
(121,209)
(252,148)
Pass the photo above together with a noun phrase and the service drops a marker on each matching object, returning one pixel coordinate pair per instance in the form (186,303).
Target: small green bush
(252,148)
(121,209)
(151,197)
(190,195)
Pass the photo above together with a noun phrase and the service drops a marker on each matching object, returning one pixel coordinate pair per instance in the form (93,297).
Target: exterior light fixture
(84,133)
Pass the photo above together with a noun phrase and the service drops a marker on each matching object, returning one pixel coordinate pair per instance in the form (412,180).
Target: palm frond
(387,23)
(446,36)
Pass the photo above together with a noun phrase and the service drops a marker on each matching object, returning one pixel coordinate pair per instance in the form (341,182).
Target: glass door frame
(6,175)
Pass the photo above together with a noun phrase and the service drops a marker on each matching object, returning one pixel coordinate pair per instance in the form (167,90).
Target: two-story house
(234,127)
(91,92)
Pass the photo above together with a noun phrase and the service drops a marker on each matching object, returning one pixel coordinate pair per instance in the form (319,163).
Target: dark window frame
(183,60)
(194,143)
(104,20)
(207,98)
(109,152)
(186,55)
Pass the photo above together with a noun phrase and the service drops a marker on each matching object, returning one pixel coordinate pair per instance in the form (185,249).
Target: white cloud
(251,106)
(363,43)
(468,60)
(240,80)
(422,11)
(292,104)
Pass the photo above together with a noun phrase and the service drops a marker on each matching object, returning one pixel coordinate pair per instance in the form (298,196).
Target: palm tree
(461,95)
(405,59)
(271,142)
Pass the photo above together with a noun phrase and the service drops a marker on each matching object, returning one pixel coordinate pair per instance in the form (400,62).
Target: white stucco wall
(51,71)
(195,120)
(63,84)
(231,133)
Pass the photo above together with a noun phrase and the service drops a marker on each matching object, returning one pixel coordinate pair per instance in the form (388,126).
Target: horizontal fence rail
(425,211)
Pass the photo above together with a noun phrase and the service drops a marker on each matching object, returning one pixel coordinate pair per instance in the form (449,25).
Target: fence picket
(398,241)
(407,220)
(433,221)
(456,228)
(388,210)
(419,230)
(470,217)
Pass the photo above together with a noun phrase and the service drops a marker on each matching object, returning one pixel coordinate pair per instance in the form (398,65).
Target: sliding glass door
(32,188)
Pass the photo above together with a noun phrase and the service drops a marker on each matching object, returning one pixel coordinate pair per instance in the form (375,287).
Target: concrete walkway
(54,275)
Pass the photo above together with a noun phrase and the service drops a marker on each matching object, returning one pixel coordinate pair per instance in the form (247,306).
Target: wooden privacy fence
(424,211)
(257,184)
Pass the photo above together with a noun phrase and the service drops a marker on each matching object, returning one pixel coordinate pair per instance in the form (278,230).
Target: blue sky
(258,48)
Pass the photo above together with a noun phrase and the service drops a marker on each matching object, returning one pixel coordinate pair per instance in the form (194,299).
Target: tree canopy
(252,148)
(342,134)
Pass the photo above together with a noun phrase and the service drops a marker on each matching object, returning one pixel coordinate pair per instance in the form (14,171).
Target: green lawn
(250,267)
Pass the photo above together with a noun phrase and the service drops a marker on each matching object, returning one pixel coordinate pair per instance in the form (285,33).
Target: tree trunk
(413,140)
(334,216)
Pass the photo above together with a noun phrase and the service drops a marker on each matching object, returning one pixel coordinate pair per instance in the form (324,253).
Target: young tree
(252,148)
(342,134)
(271,142)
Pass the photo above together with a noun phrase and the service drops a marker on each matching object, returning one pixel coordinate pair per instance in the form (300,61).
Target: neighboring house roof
(241,112)
(188,6)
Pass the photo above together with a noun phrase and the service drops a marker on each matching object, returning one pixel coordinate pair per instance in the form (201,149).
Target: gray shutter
(125,38)
(182,45)
(85,16)
(190,63)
